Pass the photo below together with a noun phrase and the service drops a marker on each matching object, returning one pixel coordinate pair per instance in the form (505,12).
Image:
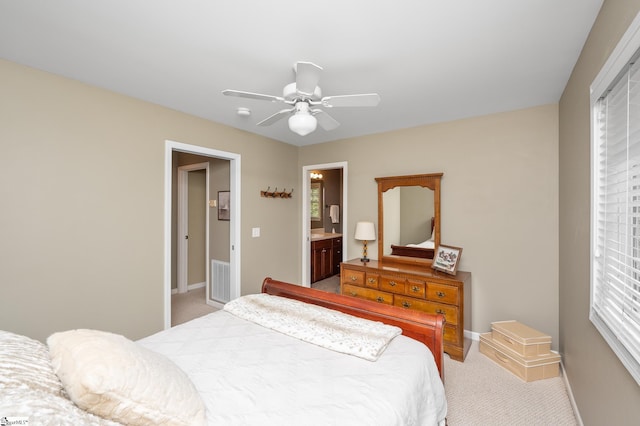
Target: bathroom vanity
(326,255)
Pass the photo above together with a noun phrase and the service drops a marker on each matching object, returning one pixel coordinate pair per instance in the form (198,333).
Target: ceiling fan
(305,97)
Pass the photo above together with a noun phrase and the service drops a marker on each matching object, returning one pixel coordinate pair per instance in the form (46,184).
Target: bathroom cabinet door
(321,259)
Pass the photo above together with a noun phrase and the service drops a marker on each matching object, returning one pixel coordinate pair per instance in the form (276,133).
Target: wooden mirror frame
(431,181)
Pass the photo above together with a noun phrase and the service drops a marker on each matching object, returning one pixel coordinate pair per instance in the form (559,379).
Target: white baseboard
(572,400)
(190,287)
(215,304)
(472,335)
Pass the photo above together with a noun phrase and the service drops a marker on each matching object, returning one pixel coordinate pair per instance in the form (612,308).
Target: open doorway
(223,235)
(327,215)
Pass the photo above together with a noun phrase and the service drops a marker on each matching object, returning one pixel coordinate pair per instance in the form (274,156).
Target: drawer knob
(353,293)
(372,280)
(440,311)
(380,299)
(354,278)
(440,293)
(415,289)
(392,283)
(406,304)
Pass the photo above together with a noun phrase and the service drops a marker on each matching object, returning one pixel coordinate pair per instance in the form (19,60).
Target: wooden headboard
(423,327)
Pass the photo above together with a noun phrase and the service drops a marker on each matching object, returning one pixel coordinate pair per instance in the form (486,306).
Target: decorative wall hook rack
(276,194)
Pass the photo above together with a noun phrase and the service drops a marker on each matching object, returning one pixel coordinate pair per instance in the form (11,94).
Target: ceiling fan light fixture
(302,122)
(303,94)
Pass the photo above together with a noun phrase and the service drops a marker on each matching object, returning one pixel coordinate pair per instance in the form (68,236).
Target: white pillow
(115,378)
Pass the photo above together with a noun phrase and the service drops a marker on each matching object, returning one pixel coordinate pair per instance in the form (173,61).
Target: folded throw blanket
(315,324)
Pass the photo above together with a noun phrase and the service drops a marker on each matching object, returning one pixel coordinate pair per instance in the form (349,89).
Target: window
(316,201)
(615,202)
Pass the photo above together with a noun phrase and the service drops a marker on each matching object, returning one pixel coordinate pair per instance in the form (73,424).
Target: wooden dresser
(415,287)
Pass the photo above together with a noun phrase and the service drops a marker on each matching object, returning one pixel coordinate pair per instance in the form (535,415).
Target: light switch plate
(255,232)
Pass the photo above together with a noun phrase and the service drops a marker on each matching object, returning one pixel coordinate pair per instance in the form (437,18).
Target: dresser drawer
(416,288)
(450,312)
(371,280)
(442,293)
(352,277)
(392,284)
(367,293)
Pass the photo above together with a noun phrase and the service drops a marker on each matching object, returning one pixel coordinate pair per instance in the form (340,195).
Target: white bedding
(250,375)
(315,324)
(424,244)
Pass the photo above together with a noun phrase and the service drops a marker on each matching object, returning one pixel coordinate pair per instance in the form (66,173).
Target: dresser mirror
(408,218)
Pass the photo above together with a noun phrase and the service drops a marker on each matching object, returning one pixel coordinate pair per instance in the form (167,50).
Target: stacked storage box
(520,349)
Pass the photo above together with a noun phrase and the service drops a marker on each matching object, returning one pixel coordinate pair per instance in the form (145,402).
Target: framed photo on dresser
(446,259)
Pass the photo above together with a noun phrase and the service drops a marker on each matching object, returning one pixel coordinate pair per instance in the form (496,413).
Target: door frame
(306,214)
(235,219)
(183,226)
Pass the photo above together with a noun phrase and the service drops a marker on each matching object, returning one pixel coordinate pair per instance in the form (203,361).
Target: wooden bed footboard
(423,327)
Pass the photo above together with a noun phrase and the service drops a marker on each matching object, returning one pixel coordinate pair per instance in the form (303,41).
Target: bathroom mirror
(408,218)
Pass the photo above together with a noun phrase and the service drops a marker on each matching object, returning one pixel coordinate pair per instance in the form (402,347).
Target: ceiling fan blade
(325,121)
(275,117)
(259,96)
(307,77)
(364,100)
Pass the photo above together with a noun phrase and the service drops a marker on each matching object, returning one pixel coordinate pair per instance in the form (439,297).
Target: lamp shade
(365,231)
(302,122)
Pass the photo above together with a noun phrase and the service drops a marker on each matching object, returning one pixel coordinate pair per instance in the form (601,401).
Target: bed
(413,250)
(226,369)
(422,250)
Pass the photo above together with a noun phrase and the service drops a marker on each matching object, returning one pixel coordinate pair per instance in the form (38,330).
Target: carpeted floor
(331,284)
(189,305)
(479,392)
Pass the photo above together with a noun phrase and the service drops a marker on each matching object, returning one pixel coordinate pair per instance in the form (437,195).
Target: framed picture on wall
(224,205)
(446,259)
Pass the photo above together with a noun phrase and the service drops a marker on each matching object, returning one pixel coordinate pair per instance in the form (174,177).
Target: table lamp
(365,231)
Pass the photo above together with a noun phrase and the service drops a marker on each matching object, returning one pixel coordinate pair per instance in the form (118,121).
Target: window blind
(615,298)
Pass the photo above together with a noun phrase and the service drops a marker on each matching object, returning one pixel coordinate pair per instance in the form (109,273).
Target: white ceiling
(430,60)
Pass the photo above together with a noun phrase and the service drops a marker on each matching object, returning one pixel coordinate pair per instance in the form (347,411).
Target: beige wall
(499,203)
(82,190)
(219,231)
(604,391)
